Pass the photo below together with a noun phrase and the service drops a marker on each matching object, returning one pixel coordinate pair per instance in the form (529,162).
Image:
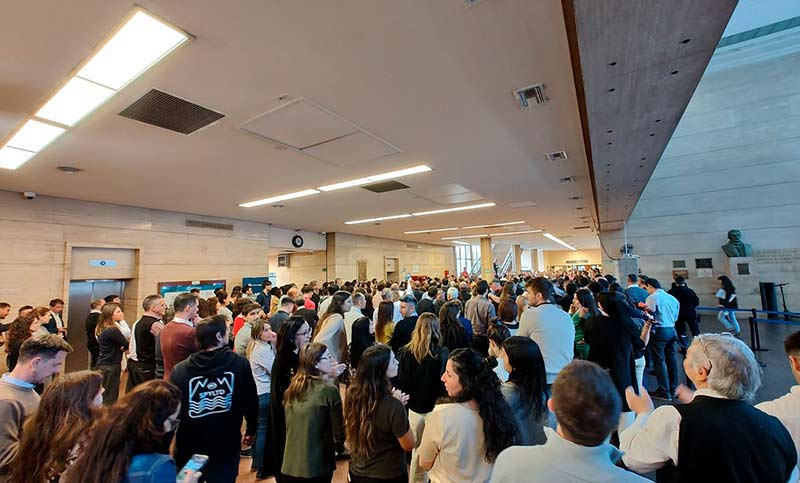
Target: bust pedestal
(743,272)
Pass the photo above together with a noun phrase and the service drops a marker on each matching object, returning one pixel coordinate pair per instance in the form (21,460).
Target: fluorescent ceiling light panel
(428,231)
(275,199)
(460,242)
(13,158)
(449,210)
(560,241)
(382,218)
(493,224)
(375,178)
(141,42)
(34,136)
(515,233)
(400,173)
(75,100)
(465,236)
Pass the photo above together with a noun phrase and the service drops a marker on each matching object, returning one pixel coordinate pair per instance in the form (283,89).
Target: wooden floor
(247,476)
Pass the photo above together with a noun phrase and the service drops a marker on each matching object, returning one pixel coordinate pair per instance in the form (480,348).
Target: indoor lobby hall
(428,240)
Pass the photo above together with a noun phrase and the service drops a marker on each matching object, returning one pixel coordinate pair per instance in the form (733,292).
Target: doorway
(81,294)
(361,268)
(391,269)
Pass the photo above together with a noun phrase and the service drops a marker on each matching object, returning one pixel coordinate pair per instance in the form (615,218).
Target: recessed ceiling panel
(299,124)
(459,198)
(352,149)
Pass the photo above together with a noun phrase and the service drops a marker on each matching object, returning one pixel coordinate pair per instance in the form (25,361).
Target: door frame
(132,286)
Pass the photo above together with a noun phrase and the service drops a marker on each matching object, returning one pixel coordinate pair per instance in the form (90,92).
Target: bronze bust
(735,247)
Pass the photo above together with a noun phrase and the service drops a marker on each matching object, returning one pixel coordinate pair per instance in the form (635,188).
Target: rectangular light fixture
(13,158)
(465,236)
(34,136)
(460,242)
(381,218)
(75,100)
(428,231)
(515,233)
(450,210)
(275,199)
(375,178)
(138,44)
(560,241)
(141,42)
(493,225)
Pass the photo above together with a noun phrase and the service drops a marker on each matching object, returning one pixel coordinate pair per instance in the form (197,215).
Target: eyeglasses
(303,333)
(705,350)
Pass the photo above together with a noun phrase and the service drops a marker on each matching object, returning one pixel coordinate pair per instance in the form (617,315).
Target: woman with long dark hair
(112,345)
(526,389)
(377,428)
(727,304)
(130,441)
(53,437)
(331,330)
(22,328)
(384,324)
(583,307)
(422,363)
(293,335)
(314,420)
(611,337)
(454,334)
(463,436)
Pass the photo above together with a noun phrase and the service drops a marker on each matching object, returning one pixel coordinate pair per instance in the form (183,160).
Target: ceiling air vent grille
(531,95)
(385,186)
(209,224)
(166,111)
(556,156)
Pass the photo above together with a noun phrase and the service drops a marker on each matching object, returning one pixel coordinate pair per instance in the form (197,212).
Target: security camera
(29,195)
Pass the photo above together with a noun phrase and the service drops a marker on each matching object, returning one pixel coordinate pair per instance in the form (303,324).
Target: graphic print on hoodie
(210,395)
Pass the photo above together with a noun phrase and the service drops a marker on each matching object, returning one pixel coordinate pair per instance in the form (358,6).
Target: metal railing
(753,320)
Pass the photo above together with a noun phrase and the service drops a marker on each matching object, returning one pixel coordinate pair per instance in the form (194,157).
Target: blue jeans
(663,342)
(261,433)
(728,319)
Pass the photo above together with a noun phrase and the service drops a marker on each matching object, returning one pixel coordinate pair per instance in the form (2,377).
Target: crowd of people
(536,377)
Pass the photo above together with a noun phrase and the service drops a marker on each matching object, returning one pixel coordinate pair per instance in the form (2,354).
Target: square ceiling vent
(385,186)
(305,126)
(163,110)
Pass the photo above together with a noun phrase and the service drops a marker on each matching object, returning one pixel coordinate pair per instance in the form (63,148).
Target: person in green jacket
(583,307)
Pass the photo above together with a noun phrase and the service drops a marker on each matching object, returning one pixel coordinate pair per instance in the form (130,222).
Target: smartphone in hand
(195,464)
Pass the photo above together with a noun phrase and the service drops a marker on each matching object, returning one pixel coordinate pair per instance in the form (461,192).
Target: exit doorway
(81,294)
(392,273)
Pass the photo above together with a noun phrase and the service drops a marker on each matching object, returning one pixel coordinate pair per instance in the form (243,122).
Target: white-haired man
(717,435)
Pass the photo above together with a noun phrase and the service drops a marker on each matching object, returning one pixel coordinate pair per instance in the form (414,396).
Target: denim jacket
(151,468)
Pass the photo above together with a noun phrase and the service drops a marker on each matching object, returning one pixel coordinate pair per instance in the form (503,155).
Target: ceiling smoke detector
(531,95)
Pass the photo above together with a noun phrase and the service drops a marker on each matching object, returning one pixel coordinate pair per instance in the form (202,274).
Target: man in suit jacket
(91,324)
(404,328)
(56,323)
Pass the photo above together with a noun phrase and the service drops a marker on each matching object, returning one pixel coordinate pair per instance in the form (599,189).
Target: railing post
(752,321)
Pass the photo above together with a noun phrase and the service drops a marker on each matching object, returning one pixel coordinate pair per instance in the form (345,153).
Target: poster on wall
(170,290)
(256,282)
(705,272)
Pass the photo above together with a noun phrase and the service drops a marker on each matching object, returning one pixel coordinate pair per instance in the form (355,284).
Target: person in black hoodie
(687,314)
(218,390)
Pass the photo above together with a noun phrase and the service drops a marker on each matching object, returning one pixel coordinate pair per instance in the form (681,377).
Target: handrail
(750,311)
(507,262)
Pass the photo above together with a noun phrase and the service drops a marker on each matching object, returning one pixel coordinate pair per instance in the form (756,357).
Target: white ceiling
(433,78)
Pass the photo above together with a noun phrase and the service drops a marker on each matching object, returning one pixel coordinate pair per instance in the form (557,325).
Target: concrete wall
(37,256)
(733,162)
(431,260)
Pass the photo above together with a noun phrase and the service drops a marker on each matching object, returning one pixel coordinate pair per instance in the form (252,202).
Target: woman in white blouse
(261,354)
(463,437)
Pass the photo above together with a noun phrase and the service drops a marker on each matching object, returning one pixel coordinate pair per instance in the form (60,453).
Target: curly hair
(132,425)
(20,329)
(363,396)
(48,437)
(480,384)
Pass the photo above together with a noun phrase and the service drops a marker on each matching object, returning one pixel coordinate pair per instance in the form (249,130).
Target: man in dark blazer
(404,328)
(91,324)
(687,313)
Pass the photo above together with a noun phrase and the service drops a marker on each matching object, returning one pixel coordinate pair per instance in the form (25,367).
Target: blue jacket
(152,468)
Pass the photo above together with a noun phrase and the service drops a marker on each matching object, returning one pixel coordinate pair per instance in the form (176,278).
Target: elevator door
(81,294)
